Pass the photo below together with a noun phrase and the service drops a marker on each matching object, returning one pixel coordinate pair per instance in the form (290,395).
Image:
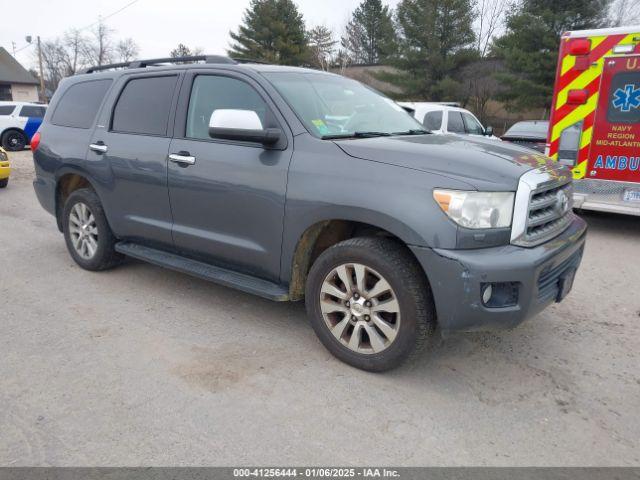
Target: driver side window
(472,125)
(211,92)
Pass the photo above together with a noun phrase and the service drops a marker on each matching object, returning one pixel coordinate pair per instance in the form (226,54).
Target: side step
(228,278)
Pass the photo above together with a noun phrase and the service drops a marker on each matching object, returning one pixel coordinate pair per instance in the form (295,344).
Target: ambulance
(595,117)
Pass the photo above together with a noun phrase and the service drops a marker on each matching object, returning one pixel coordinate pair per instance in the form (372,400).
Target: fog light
(499,294)
(486,293)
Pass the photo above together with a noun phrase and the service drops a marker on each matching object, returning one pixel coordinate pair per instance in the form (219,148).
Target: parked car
(443,118)
(241,174)
(19,121)
(5,169)
(531,134)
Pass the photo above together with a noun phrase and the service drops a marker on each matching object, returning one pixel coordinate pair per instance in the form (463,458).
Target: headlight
(3,157)
(476,209)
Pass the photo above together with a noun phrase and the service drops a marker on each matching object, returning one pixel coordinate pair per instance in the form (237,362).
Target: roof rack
(157,61)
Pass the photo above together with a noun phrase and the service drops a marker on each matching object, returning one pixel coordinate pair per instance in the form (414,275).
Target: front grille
(548,281)
(549,212)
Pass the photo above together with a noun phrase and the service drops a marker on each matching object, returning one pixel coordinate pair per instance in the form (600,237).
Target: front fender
(326,184)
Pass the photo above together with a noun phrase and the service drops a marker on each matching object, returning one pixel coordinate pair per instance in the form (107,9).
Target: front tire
(370,303)
(87,233)
(14,140)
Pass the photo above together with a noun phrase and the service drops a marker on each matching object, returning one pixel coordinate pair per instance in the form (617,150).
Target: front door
(228,198)
(615,145)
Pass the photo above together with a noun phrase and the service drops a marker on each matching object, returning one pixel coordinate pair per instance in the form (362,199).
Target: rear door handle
(98,147)
(183,158)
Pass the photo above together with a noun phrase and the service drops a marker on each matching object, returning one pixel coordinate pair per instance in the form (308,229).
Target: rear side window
(143,106)
(454,123)
(433,120)
(79,105)
(6,109)
(32,111)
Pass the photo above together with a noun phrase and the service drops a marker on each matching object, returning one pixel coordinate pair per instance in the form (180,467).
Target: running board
(228,278)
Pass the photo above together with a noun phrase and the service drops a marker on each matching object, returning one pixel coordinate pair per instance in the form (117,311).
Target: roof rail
(157,61)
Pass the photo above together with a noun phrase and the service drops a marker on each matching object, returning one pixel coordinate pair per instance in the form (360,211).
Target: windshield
(331,106)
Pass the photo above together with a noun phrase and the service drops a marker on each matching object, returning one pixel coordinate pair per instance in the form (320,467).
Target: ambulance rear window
(624,98)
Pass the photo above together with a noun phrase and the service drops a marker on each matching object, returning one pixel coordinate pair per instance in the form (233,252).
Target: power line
(100,19)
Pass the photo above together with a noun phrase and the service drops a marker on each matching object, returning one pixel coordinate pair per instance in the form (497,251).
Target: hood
(484,164)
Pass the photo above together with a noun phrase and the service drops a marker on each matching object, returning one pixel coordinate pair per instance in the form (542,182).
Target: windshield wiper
(356,135)
(416,131)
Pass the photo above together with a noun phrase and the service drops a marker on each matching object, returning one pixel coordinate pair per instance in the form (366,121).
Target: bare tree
(624,12)
(75,44)
(127,49)
(100,49)
(74,51)
(489,21)
(481,85)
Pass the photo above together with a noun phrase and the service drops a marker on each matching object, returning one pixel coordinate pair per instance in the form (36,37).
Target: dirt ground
(145,366)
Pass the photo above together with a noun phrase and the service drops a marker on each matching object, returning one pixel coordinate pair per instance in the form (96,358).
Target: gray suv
(297,184)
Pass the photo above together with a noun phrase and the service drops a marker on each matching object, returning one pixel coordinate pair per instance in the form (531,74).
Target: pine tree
(272,31)
(370,35)
(531,42)
(436,41)
(321,47)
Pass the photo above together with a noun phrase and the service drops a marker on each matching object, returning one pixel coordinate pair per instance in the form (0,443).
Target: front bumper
(605,196)
(456,277)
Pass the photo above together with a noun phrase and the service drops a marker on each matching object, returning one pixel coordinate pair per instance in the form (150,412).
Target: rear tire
(87,234)
(395,316)
(14,140)
(4,182)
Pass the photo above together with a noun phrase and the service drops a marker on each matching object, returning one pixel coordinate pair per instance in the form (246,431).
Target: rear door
(134,142)
(615,145)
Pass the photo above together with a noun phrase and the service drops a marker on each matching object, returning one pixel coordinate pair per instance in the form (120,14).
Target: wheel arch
(67,181)
(322,234)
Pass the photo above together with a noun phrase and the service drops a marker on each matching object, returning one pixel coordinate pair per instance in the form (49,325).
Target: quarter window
(455,123)
(79,105)
(144,106)
(211,92)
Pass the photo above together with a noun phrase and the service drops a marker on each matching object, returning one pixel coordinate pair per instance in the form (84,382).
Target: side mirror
(241,125)
(488,131)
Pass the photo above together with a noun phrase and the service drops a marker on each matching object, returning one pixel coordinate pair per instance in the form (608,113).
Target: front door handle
(183,158)
(99,147)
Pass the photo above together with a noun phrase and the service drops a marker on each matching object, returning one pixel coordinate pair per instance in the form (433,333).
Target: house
(16,83)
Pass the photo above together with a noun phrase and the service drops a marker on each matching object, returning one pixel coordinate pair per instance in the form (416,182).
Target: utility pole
(43,95)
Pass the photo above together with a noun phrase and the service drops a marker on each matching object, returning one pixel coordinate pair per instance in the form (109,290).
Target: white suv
(19,121)
(445,118)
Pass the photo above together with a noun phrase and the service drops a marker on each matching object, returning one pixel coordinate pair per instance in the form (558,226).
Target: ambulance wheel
(13,140)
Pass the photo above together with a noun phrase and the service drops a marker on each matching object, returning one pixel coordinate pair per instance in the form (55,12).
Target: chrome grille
(547,216)
(543,207)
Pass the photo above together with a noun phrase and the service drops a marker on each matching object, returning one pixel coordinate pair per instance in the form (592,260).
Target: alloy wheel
(83,230)
(360,308)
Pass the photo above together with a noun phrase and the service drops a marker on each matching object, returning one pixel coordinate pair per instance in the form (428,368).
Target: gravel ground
(145,366)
